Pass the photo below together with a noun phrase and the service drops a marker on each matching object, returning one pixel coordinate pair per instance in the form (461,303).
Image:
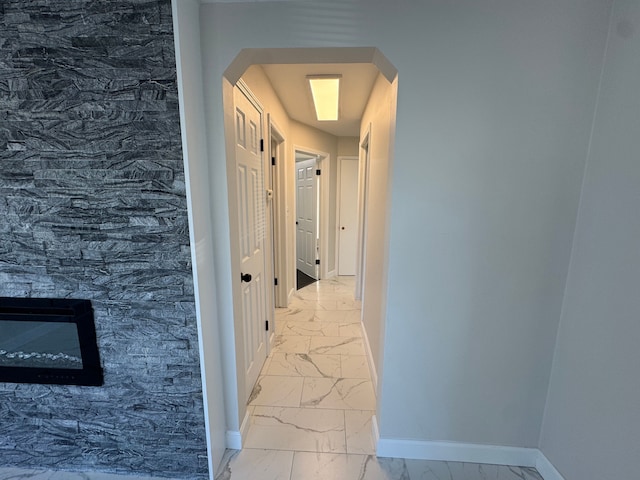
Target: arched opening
(250,76)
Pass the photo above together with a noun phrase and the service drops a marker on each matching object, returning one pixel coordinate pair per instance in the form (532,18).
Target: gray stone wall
(93,205)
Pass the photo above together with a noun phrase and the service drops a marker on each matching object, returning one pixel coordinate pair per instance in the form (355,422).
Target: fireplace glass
(48,341)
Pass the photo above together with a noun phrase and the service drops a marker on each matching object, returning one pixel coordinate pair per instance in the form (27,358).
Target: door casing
(277,149)
(306,216)
(324,165)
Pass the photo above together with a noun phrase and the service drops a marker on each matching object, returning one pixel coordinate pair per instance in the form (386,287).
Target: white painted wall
(378,122)
(592,418)
(212,101)
(348,146)
(494,112)
(196,160)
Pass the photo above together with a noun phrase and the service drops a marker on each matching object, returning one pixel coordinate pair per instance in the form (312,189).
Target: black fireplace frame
(79,312)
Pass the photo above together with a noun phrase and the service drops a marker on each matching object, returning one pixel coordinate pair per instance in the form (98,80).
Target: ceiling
(290,84)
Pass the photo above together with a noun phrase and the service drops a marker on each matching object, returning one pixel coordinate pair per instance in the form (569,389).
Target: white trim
(279,237)
(244,88)
(457,452)
(235,438)
(363,183)
(372,365)
(546,468)
(213,440)
(375,430)
(464,452)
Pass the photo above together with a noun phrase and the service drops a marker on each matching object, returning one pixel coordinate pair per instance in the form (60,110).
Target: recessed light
(325,91)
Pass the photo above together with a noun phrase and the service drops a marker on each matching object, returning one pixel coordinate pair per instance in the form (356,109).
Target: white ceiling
(290,84)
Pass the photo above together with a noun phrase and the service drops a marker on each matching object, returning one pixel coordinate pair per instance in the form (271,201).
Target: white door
(306,209)
(251,211)
(348,216)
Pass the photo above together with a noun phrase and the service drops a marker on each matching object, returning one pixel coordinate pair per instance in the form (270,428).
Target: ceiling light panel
(325,91)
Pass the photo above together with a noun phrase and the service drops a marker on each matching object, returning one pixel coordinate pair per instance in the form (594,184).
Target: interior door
(252,213)
(306,212)
(348,213)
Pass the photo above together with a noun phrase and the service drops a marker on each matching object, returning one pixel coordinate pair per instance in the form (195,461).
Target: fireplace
(48,340)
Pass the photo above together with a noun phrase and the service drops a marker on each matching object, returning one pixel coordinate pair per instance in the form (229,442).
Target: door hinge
(266,324)
(262,145)
(317,261)
(318,172)
(275,282)
(273,161)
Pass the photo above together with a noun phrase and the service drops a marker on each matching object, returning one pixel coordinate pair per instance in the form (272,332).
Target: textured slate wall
(93,205)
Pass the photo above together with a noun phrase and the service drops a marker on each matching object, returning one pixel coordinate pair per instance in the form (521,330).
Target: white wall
(494,112)
(378,123)
(193,124)
(348,146)
(592,419)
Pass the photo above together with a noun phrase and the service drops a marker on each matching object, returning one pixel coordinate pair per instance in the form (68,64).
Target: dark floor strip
(303,280)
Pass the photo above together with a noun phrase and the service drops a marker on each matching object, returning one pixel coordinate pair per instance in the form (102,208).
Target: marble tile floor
(315,392)
(311,408)
(249,464)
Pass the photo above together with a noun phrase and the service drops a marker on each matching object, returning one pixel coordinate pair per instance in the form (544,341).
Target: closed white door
(252,213)
(306,213)
(348,217)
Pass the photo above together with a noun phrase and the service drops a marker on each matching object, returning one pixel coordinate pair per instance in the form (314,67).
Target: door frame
(277,148)
(323,163)
(342,158)
(307,261)
(363,192)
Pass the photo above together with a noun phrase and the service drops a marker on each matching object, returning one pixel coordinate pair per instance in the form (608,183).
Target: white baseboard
(546,468)
(372,365)
(465,452)
(457,452)
(375,430)
(235,438)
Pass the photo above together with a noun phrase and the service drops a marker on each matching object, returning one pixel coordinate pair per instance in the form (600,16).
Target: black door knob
(245,277)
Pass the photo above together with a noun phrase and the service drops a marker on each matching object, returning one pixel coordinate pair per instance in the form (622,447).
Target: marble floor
(311,408)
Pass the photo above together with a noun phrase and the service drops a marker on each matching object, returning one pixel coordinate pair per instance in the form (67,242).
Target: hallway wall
(378,121)
(348,146)
(590,429)
(196,161)
(494,112)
